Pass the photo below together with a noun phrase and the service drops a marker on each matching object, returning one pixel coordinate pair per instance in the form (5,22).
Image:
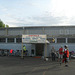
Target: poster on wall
(33,38)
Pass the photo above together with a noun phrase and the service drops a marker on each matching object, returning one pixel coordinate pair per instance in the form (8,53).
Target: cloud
(72,21)
(56,12)
(63,7)
(36,20)
(4,9)
(46,19)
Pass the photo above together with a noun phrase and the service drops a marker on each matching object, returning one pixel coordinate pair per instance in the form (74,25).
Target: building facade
(11,38)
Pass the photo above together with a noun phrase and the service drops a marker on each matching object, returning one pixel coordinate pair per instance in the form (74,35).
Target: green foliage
(3,25)
(7,26)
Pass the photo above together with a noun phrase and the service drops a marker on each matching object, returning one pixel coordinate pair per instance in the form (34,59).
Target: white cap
(66,45)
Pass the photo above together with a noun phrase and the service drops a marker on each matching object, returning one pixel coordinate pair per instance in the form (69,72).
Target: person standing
(53,53)
(60,57)
(2,52)
(24,49)
(66,55)
(11,52)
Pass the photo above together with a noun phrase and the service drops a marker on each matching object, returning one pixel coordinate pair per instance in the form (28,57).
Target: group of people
(63,54)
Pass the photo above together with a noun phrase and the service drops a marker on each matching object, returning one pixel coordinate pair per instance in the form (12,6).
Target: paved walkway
(34,66)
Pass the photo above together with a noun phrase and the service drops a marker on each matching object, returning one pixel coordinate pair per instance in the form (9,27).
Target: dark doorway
(39,49)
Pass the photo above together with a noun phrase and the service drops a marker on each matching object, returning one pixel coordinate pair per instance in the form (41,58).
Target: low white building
(11,38)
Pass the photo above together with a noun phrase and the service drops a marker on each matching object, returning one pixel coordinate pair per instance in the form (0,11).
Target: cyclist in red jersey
(60,54)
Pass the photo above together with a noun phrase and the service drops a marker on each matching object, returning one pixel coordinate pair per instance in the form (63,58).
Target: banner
(33,38)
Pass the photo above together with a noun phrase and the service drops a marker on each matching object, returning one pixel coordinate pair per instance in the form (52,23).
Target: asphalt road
(34,66)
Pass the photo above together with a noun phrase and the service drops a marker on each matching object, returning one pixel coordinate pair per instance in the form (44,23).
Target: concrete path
(34,66)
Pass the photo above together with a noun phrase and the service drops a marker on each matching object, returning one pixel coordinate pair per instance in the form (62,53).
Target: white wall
(32,46)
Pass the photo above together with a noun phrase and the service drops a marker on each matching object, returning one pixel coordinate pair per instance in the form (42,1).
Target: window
(18,40)
(71,40)
(51,40)
(61,40)
(2,40)
(10,40)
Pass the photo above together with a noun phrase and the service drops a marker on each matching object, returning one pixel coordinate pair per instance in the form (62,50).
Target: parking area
(11,65)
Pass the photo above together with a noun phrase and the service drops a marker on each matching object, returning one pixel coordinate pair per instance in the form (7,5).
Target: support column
(55,40)
(6,40)
(14,40)
(66,40)
(22,51)
(45,50)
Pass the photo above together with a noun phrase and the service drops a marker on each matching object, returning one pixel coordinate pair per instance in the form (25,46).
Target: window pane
(61,40)
(18,40)
(71,40)
(2,40)
(51,40)
(10,40)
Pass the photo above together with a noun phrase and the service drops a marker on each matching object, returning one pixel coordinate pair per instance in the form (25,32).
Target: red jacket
(67,53)
(61,51)
(11,51)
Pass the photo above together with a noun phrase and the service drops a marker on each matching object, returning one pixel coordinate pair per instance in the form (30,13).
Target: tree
(7,26)
(3,25)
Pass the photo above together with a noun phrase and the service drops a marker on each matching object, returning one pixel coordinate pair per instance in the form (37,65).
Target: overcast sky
(17,13)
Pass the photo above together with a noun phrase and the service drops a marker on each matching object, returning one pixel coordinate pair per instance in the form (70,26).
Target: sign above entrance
(34,38)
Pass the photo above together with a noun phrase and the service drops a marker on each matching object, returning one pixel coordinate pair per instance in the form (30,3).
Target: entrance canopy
(34,39)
